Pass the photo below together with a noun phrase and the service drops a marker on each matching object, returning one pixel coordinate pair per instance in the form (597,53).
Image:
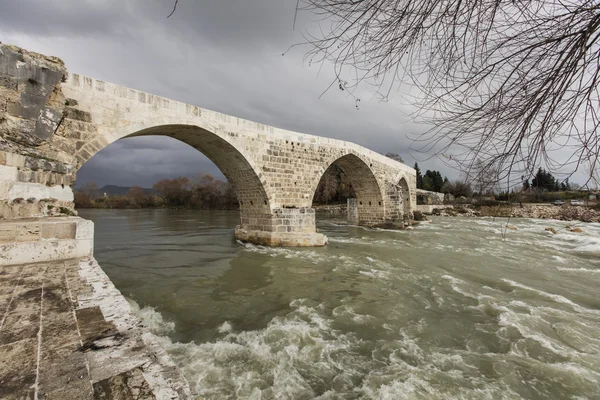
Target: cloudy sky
(224,55)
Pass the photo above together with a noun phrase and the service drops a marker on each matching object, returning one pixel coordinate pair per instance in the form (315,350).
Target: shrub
(419,216)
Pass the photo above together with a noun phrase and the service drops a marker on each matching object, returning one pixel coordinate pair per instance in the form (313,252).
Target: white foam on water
(374,273)
(526,325)
(556,297)
(153,320)
(347,312)
(287,358)
(456,284)
(586,270)
(225,327)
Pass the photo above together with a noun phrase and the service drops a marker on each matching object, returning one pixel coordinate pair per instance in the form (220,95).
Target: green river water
(450,310)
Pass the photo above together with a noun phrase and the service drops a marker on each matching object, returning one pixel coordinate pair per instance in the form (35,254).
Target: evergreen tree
(433,181)
(544,180)
(419,177)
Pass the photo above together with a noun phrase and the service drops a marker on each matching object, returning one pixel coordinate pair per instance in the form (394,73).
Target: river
(455,309)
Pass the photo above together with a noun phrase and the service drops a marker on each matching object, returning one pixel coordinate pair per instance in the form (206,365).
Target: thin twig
(174,8)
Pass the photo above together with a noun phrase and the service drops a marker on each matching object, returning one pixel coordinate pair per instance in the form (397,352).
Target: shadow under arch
(235,166)
(369,197)
(404,196)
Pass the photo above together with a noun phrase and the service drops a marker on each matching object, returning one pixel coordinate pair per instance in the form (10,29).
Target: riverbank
(563,213)
(69,333)
(66,332)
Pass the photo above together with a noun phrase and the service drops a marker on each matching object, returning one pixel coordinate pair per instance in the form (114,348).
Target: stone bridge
(52,122)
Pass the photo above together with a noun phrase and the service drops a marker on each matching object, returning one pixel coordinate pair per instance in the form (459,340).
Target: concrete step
(32,240)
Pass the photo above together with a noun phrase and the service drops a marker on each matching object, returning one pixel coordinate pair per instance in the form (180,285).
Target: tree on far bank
(139,197)
(174,192)
(394,156)
(433,181)
(334,186)
(545,181)
(419,176)
(485,177)
(458,188)
(89,190)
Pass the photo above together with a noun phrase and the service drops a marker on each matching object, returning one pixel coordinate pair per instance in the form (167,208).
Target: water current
(455,309)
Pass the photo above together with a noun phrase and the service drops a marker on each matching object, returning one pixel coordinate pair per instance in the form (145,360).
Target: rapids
(459,308)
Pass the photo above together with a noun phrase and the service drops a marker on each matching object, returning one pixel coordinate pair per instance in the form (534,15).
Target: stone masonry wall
(34,180)
(288,164)
(52,122)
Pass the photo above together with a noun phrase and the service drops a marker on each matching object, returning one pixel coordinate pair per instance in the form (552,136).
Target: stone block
(47,123)
(8,173)
(61,193)
(18,362)
(15,160)
(85,229)
(8,232)
(127,385)
(65,230)
(48,250)
(28,232)
(77,115)
(5,188)
(25,190)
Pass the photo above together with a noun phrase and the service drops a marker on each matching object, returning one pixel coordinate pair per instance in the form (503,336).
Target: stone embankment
(563,213)
(66,332)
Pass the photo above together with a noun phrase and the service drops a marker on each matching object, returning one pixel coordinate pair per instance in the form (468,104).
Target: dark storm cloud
(145,161)
(224,55)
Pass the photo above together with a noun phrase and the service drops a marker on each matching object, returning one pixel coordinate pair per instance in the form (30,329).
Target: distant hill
(114,190)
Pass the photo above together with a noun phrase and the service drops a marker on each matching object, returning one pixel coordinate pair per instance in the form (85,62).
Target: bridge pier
(286,227)
(370,213)
(352,210)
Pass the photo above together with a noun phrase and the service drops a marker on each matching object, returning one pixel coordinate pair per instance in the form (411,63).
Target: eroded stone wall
(35,178)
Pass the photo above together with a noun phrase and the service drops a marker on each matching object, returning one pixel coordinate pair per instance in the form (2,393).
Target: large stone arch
(369,196)
(239,169)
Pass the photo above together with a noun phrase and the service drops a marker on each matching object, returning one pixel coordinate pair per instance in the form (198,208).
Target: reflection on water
(449,310)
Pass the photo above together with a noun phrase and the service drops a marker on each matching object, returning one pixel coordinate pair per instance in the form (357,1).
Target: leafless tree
(90,190)
(593,173)
(484,177)
(394,156)
(504,82)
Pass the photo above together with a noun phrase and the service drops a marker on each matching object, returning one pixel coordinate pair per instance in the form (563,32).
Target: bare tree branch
(503,83)
(174,8)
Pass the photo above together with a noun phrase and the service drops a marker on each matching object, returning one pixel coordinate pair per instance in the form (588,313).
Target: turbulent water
(455,309)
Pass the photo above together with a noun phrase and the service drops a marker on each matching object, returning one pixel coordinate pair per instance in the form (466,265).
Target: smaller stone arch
(404,198)
(369,197)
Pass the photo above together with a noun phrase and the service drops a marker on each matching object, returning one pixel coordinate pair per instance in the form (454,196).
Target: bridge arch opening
(356,181)
(404,196)
(253,199)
